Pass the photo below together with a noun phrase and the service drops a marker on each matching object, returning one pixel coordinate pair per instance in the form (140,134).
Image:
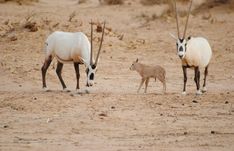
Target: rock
(13,38)
(102,114)
(5,126)
(212,132)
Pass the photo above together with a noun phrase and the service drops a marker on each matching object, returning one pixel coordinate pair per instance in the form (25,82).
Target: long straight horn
(100,46)
(91,49)
(177,23)
(186,25)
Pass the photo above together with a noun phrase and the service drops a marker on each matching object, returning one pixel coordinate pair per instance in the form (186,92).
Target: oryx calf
(194,52)
(146,72)
(68,47)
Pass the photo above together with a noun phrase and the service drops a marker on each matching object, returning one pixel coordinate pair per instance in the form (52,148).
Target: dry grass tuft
(71,16)
(153,2)
(81,1)
(111,2)
(20,2)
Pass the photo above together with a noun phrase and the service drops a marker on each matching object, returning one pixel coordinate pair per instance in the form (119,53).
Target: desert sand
(113,117)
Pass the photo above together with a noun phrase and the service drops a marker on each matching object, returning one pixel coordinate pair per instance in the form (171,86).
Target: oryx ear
(137,60)
(173,36)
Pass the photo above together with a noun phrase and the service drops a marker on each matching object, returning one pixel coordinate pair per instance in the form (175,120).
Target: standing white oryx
(68,47)
(194,52)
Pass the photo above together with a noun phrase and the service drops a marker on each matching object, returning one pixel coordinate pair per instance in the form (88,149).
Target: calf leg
(163,80)
(44,69)
(205,75)
(76,65)
(146,84)
(142,81)
(59,73)
(164,86)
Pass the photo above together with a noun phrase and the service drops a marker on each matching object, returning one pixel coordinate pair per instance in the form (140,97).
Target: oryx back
(198,52)
(69,47)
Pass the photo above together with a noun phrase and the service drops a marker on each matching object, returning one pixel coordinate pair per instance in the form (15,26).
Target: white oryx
(68,47)
(194,52)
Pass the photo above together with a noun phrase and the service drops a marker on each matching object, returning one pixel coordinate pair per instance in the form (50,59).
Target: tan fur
(147,72)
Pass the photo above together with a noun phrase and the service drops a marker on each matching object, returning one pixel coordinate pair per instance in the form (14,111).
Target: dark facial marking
(181,48)
(181,40)
(93,66)
(91,77)
(87,71)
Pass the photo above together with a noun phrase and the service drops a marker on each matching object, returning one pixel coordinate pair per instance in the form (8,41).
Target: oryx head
(181,43)
(92,67)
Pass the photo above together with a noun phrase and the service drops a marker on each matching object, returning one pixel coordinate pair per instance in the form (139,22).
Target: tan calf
(147,72)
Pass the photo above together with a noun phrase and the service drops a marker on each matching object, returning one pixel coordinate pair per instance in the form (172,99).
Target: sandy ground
(113,117)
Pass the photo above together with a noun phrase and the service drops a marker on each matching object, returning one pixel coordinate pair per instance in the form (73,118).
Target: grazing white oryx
(68,47)
(194,52)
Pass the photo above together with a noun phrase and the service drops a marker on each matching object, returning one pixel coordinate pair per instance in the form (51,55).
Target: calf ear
(137,60)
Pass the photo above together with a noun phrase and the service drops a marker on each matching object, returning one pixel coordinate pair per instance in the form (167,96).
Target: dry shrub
(81,1)
(71,16)
(20,2)
(153,2)
(232,4)
(111,2)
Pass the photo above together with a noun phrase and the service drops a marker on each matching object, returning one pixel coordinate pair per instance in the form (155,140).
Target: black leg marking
(185,77)
(59,73)
(197,77)
(205,74)
(76,66)
(44,69)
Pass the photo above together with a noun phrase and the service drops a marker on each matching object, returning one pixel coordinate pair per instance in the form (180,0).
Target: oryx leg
(197,79)
(76,66)
(185,78)
(142,81)
(59,73)
(205,75)
(44,69)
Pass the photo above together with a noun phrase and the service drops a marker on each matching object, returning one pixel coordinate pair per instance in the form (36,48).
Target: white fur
(198,52)
(69,47)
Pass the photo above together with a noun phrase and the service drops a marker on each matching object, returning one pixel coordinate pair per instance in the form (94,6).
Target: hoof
(78,91)
(66,90)
(45,89)
(198,92)
(204,89)
(87,91)
(183,93)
